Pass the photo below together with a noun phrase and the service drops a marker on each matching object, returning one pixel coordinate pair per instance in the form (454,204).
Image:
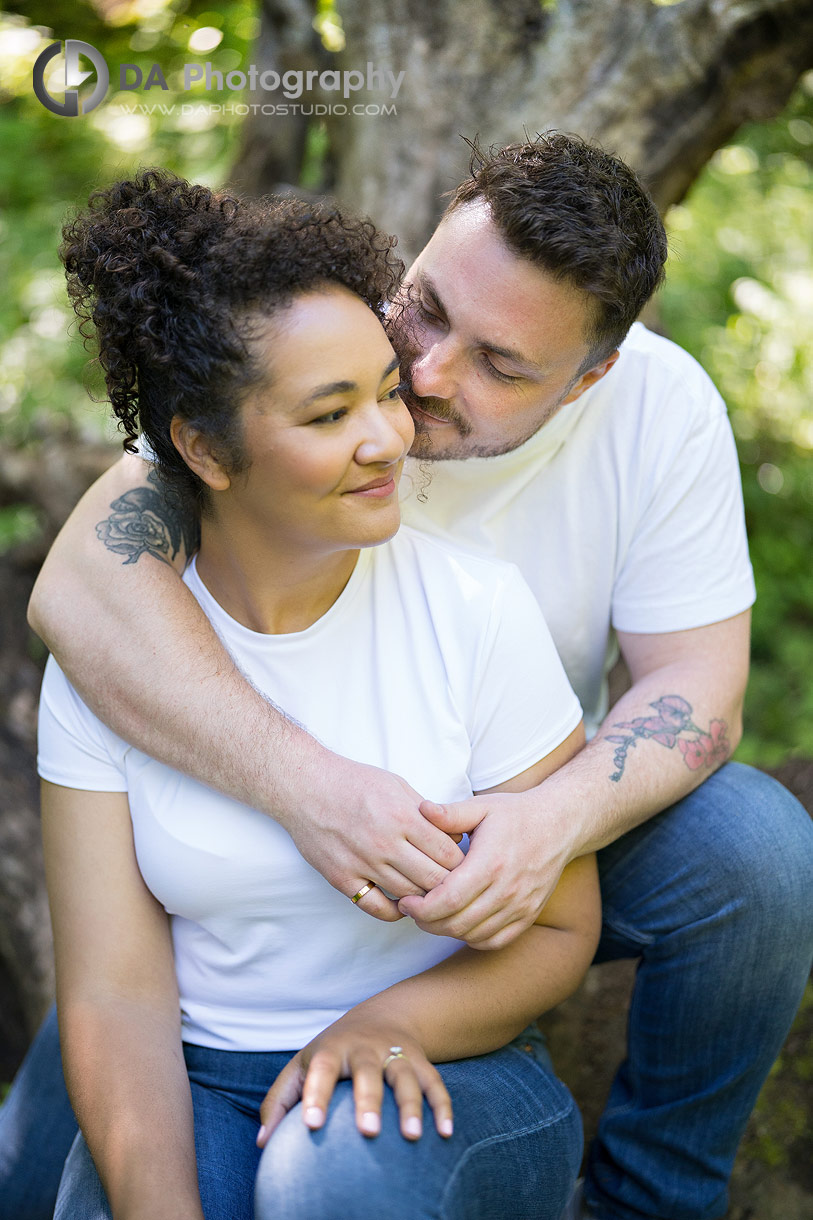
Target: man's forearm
(667,734)
(679,721)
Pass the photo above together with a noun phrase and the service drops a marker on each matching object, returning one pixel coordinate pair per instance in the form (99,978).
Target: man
(605,468)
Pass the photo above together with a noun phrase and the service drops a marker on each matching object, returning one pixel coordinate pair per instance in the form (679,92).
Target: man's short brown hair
(580,214)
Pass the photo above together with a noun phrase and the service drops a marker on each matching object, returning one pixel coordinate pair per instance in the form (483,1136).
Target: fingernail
(262,1134)
(371,1123)
(413,1126)
(446,1126)
(314,1116)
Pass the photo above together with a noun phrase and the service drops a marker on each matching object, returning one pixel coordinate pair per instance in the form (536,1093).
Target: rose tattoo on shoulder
(143,523)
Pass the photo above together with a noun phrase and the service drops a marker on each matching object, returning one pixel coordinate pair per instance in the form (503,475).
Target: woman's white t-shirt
(434,664)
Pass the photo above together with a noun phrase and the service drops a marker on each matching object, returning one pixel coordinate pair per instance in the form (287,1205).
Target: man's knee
(761,848)
(737,852)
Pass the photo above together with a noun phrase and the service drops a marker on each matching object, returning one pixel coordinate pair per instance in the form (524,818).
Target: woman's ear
(196,451)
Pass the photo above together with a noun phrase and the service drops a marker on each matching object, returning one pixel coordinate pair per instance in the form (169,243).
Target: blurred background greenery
(739,294)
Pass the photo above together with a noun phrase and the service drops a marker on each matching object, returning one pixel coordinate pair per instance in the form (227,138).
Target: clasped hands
(367,825)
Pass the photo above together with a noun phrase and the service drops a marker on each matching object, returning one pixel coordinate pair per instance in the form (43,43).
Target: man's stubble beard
(425,447)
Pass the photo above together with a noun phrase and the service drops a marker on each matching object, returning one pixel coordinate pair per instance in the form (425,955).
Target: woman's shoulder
(446,565)
(455,584)
(440,559)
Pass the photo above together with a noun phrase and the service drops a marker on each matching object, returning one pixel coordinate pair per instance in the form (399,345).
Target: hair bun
(132,262)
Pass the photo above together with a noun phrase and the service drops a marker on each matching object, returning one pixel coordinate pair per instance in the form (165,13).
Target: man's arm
(680,720)
(132,639)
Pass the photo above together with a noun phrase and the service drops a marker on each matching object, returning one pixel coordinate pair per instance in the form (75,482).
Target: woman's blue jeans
(515,1151)
(712,897)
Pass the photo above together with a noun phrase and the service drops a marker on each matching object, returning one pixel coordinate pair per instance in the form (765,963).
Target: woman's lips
(377,490)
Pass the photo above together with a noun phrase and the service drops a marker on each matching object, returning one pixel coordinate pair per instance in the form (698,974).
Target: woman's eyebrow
(343,387)
(325,391)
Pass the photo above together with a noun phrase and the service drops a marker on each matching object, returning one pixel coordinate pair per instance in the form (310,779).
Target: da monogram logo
(73,78)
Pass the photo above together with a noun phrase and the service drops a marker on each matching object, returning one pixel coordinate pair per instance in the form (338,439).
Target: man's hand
(364,825)
(514,863)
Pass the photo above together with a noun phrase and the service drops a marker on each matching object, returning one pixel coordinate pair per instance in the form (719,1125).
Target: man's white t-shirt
(624,513)
(434,664)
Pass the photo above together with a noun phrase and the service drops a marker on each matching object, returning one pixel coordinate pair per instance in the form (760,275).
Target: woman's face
(327,434)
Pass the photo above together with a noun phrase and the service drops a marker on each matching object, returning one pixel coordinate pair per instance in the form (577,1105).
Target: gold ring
(365,889)
(396,1052)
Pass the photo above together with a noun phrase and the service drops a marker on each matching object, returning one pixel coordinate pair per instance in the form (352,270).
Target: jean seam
(623,929)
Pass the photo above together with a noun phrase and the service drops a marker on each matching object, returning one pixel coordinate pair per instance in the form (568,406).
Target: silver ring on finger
(396,1052)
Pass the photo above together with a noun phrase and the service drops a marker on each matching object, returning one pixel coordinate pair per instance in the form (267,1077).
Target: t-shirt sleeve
(523,705)
(75,749)
(687,562)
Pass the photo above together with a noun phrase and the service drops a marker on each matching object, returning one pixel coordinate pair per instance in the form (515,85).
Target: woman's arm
(119,1017)
(158,675)
(469,1004)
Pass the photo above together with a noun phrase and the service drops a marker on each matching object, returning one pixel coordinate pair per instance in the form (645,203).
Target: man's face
(490,346)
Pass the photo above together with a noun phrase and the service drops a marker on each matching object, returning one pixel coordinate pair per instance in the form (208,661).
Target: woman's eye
(391,395)
(332,417)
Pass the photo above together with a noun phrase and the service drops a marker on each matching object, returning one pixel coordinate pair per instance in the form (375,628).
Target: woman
(200,960)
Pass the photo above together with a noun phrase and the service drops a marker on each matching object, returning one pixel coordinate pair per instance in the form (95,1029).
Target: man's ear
(591,377)
(196,451)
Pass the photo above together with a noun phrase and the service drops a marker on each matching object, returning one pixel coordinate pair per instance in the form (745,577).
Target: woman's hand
(369,1052)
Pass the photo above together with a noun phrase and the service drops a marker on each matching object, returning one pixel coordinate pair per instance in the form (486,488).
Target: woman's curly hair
(171,277)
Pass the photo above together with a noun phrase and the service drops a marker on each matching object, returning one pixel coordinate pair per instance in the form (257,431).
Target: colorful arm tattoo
(672,726)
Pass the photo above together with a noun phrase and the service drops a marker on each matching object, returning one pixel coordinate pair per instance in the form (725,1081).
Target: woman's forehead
(324,337)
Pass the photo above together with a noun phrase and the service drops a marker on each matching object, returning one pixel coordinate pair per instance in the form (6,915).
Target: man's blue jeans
(515,1151)
(713,899)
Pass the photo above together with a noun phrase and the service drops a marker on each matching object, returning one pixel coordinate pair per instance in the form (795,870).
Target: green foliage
(739,296)
(51,163)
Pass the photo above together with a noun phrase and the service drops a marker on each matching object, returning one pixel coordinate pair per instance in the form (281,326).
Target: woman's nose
(383,440)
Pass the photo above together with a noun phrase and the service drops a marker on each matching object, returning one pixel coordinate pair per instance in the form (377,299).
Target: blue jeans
(713,899)
(515,1151)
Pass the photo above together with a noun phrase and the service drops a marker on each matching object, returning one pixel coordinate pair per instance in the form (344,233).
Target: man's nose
(433,374)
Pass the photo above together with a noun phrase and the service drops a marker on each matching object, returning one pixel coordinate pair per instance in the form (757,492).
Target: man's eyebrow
(343,387)
(507,353)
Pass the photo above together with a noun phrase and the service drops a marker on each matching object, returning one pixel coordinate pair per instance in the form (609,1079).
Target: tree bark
(662,85)
(50,477)
(272,150)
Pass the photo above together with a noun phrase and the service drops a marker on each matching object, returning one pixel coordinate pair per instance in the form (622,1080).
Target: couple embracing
(285,985)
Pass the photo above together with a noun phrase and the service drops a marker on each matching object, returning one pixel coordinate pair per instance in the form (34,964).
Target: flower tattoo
(672,726)
(143,523)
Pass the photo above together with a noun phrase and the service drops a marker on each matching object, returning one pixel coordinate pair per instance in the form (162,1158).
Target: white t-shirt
(623,513)
(434,664)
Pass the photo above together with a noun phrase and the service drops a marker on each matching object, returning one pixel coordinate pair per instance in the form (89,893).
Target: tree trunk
(51,477)
(663,85)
